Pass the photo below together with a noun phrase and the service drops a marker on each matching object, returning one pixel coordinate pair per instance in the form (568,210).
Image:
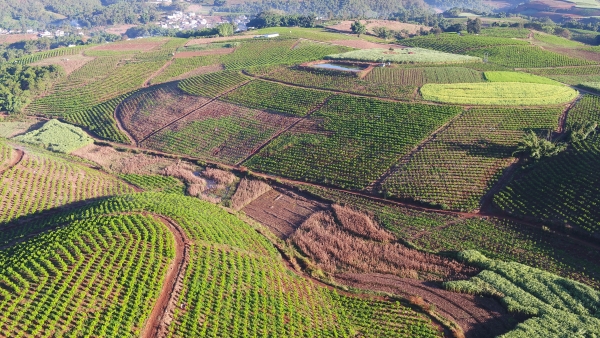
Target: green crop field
(180,66)
(517,77)
(528,57)
(457,168)
(407,55)
(277,98)
(212,84)
(453,43)
(421,76)
(562,189)
(351,141)
(498,93)
(220,131)
(40,182)
(278,52)
(558,306)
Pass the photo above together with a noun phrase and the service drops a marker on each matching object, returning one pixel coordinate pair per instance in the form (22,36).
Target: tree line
(19,84)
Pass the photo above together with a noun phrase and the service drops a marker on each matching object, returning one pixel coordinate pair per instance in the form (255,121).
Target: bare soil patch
(10,38)
(247,191)
(344,26)
(282,211)
(118,29)
(477,316)
(362,44)
(162,313)
(148,110)
(69,63)
(218,51)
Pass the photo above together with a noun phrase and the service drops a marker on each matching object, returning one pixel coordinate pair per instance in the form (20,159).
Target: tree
(358,28)
(581,132)
(225,29)
(536,147)
(474,26)
(383,32)
(598,39)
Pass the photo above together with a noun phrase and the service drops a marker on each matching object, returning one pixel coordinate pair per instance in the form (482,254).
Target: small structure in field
(267,36)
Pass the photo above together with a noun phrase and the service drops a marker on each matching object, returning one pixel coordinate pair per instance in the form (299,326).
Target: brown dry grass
(123,162)
(185,172)
(360,224)
(334,249)
(220,177)
(247,191)
(11,38)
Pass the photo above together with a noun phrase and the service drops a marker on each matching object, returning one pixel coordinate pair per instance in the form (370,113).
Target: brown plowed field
(479,317)
(10,38)
(220,131)
(282,211)
(220,51)
(151,109)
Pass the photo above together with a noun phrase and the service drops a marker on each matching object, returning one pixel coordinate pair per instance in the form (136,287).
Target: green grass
(407,55)
(57,136)
(459,166)
(317,34)
(212,84)
(498,93)
(558,306)
(351,141)
(228,261)
(518,77)
(557,40)
(277,97)
(505,32)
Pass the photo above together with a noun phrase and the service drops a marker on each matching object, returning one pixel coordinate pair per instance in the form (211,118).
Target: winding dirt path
(14,160)
(162,313)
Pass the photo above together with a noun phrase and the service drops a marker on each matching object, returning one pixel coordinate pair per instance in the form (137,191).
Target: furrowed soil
(282,211)
(477,316)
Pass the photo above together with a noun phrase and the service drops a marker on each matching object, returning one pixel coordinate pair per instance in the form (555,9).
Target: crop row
(50,54)
(40,183)
(278,98)
(220,131)
(351,141)
(583,70)
(456,168)
(339,81)
(278,52)
(212,84)
(100,120)
(454,43)
(156,183)
(95,277)
(181,66)
(527,57)
(151,108)
(123,79)
(562,190)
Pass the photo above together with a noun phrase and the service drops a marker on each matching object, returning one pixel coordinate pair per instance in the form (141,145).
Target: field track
(14,160)
(162,313)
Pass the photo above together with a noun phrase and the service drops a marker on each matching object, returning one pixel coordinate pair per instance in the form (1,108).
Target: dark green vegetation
(462,162)
(212,84)
(19,84)
(560,307)
(351,141)
(277,301)
(561,190)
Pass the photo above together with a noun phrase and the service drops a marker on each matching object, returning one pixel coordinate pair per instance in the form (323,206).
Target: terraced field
(464,161)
